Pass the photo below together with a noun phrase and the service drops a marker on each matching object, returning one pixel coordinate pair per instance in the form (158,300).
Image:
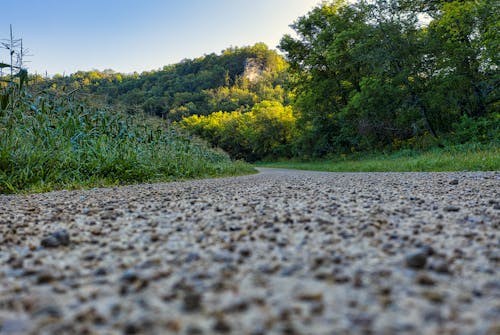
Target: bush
(267,131)
(477,130)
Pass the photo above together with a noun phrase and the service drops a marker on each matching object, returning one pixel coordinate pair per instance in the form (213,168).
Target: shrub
(266,131)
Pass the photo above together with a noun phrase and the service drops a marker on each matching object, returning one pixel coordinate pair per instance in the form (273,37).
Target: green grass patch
(49,143)
(468,157)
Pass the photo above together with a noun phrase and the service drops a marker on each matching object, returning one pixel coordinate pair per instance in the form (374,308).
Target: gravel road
(280,252)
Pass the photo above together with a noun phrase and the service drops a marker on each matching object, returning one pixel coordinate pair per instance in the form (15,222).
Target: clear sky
(136,35)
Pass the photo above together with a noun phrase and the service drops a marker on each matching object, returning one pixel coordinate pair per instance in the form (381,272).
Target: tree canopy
(368,73)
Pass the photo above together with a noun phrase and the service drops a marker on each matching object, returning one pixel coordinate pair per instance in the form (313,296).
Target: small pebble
(425,279)
(44,277)
(191,257)
(51,311)
(434,296)
(56,239)
(416,259)
(221,326)
(440,266)
(131,329)
(62,236)
(245,252)
(310,296)
(101,272)
(50,242)
(129,276)
(451,209)
(192,302)
(194,330)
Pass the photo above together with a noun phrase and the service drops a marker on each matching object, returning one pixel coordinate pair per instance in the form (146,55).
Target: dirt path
(281,252)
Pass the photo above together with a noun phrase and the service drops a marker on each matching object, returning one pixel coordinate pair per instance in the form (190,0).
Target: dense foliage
(237,79)
(370,74)
(266,131)
(51,142)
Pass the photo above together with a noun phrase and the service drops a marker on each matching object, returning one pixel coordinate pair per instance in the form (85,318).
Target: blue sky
(137,35)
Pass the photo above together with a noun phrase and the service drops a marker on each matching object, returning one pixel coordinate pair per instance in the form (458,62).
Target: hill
(236,79)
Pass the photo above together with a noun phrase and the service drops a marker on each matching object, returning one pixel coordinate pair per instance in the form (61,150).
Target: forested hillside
(236,79)
(357,77)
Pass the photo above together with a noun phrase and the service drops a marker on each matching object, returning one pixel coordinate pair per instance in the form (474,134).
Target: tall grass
(56,142)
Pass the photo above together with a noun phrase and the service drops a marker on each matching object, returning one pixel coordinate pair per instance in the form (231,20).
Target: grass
(49,143)
(469,157)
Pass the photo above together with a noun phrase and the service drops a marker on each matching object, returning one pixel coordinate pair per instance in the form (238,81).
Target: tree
(368,73)
(464,41)
(325,71)
(268,130)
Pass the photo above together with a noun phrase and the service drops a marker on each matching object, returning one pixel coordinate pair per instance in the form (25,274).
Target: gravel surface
(281,252)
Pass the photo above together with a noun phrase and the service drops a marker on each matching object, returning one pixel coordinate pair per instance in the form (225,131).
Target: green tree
(268,130)
(368,73)
(464,39)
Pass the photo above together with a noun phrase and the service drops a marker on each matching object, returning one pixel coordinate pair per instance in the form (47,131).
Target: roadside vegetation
(456,158)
